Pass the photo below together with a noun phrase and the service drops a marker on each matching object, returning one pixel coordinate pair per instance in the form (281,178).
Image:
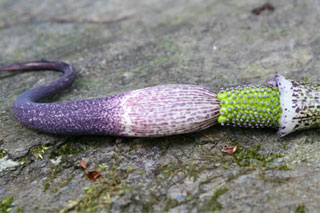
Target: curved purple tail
(35,94)
(95,116)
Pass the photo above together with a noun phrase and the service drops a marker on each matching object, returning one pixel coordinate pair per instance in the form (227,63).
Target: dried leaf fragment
(83,164)
(259,10)
(229,150)
(93,175)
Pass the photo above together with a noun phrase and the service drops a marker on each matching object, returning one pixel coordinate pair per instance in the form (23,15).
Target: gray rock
(147,42)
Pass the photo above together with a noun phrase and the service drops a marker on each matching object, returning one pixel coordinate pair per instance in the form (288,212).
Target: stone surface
(209,43)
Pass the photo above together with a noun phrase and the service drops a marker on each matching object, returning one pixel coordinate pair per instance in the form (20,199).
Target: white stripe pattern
(168,109)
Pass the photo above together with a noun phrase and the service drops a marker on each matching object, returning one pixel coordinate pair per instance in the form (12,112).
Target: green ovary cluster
(250,106)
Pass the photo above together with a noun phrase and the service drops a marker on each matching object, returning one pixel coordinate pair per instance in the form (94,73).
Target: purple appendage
(150,112)
(96,116)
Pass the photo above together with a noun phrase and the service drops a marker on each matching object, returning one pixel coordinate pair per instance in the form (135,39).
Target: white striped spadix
(168,110)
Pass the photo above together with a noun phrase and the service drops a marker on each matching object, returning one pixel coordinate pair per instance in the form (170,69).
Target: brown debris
(83,164)
(229,150)
(259,10)
(93,175)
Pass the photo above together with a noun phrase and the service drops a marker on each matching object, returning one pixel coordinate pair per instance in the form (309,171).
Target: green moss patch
(69,148)
(98,197)
(6,205)
(253,158)
(2,153)
(214,204)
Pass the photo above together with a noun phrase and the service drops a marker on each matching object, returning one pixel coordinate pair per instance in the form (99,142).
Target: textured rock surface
(209,43)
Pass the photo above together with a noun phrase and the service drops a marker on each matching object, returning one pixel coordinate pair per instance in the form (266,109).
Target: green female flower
(284,104)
